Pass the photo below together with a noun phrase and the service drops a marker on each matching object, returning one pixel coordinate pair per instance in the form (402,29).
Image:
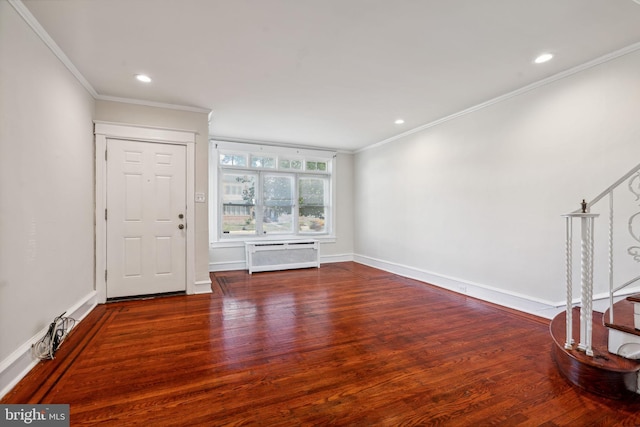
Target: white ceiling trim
(29,18)
(46,38)
(601,60)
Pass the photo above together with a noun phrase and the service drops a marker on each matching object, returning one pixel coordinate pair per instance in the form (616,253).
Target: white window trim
(216,147)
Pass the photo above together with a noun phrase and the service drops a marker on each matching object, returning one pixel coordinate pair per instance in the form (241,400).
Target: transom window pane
(263,162)
(317,166)
(233,160)
(291,164)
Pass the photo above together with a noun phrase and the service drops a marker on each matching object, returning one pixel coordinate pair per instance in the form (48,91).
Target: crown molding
(28,17)
(52,45)
(575,70)
(31,20)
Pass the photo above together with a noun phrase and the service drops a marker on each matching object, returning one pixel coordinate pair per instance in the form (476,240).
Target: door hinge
(105,275)
(105,214)
(105,155)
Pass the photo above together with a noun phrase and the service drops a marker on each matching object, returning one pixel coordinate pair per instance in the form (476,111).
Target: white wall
(46,186)
(119,112)
(227,256)
(344,211)
(478,199)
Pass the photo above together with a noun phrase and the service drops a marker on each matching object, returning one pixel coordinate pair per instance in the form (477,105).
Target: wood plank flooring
(344,344)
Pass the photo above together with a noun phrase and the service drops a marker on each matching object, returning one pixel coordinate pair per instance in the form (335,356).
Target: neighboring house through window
(270,191)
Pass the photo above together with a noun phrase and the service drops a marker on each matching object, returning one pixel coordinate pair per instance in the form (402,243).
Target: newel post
(586,280)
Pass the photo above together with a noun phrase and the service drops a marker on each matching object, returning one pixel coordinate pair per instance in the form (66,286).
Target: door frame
(107,130)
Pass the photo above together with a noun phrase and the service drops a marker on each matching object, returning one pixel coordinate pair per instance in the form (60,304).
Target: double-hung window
(268,191)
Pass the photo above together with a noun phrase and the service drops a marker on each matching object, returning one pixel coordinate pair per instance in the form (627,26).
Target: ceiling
(328,73)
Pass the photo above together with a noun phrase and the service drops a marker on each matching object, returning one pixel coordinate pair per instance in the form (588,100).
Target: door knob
(181,216)
(180,226)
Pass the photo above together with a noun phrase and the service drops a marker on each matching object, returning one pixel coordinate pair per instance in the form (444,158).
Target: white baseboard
(202,287)
(227,266)
(513,300)
(242,265)
(524,303)
(327,259)
(21,361)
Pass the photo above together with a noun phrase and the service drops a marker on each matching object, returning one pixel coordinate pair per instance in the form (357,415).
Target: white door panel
(146,202)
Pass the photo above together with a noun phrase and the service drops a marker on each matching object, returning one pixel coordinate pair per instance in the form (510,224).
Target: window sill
(239,242)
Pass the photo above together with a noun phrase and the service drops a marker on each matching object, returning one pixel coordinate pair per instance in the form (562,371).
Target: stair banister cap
(581,215)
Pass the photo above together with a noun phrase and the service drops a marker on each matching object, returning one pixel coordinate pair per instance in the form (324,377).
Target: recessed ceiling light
(143,78)
(543,58)
(399,122)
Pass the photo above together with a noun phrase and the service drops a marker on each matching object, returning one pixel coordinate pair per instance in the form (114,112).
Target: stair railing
(632,178)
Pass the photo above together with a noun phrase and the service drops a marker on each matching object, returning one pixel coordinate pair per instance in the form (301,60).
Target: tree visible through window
(238,202)
(263,194)
(278,204)
(313,203)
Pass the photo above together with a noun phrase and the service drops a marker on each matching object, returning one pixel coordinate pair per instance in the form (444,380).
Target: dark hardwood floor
(341,345)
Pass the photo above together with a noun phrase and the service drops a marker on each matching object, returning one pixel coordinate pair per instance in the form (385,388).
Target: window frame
(278,153)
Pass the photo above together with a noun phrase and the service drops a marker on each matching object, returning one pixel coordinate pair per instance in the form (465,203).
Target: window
(271,191)
(278,204)
(238,203)
(233,160)
(313,203)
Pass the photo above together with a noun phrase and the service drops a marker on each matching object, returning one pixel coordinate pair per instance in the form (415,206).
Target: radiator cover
(282,255)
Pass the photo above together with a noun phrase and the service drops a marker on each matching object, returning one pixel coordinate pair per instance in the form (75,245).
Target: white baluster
(611,257)
(589,299)
(569,260)
(584,278)
(586,281)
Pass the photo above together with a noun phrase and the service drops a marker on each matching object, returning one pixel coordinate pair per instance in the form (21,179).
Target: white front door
(146,218)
